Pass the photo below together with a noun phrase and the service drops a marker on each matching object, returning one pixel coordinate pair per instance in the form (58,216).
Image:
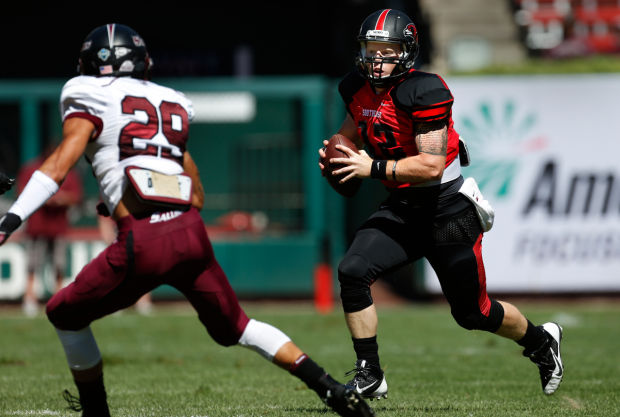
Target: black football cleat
(92,409)
(548,358)
(346,402)
(368,381)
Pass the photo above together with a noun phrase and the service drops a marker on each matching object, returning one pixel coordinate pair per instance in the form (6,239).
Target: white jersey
(137,123)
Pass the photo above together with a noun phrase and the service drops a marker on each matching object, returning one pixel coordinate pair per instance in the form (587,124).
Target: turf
(166,365)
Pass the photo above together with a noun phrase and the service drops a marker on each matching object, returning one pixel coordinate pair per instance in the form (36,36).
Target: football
(349,188)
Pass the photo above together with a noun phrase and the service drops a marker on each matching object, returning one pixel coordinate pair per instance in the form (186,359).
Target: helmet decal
(138,41)
(106,69)
(114,50)
(410,30)
(121,51)
(103,54)
(111,28)
(383,33)
(381,19)
(126,66)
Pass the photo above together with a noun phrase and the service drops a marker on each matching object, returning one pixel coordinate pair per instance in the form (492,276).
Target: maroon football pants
(149,252)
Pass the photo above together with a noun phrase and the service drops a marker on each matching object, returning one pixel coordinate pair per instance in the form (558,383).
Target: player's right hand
(8,224)
(5,183)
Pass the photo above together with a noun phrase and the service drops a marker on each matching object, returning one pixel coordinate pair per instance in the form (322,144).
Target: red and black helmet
(114,50)
(389,26)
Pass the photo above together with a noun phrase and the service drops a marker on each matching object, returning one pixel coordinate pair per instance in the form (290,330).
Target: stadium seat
(545,24)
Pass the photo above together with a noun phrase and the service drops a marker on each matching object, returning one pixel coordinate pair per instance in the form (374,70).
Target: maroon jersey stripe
(94,119)
(381,20)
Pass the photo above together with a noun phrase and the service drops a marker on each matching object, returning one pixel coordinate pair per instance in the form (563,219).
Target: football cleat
(88,410)
(368,381)
(346,402)
(548,358)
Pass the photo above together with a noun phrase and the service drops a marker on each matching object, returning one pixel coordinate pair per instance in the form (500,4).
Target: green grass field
(166,365)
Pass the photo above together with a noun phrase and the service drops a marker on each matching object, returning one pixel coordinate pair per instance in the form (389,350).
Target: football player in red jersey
(402,118)
(134,132)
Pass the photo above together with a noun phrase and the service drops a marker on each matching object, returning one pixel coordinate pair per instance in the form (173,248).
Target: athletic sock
(313,375)
(367,349)
(533,339)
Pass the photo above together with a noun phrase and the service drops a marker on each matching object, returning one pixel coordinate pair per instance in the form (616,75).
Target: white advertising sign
(545,153)
(14,261)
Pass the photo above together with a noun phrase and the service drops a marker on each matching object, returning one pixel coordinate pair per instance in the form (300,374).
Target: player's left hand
(322,156)
(5,183)
(357,164)
(8,224)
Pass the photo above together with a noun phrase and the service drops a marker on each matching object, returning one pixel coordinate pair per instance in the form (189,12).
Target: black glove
(8,224)
(102,209)
(5,183)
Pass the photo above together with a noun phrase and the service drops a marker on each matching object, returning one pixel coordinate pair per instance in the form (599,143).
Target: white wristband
(39,189)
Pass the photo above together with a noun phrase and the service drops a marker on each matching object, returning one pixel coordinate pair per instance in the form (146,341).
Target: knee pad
(354,277)
(477,321)
(263,338)
(80,348)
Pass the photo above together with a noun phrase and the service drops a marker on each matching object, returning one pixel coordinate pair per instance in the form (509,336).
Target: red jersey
(387,121)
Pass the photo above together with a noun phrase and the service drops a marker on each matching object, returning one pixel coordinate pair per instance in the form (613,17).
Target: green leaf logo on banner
(495,135)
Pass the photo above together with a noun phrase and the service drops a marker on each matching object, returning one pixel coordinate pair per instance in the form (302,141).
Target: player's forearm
(37,191)
(419,168)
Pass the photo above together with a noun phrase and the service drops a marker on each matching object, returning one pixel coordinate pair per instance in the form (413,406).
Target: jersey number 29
(137,138)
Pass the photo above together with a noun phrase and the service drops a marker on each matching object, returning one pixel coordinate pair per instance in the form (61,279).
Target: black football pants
(443,228)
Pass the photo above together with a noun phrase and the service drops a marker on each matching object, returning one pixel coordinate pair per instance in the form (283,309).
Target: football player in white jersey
(134,134)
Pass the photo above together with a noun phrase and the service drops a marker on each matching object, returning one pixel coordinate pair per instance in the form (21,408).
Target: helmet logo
(86,45)
(126,66)
(103,54)
(382,33)
(121,51)
(137,40)
(410,30)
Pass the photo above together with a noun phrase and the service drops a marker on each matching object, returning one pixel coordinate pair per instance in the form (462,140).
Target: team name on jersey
(371,113)
(164,217)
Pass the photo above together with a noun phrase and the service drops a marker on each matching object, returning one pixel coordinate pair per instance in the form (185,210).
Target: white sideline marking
(34,413)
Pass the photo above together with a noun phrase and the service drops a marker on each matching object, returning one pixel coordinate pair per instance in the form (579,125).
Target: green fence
(271,215)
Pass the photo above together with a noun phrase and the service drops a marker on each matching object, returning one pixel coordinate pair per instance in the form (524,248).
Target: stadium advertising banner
(545,152)
(14,260)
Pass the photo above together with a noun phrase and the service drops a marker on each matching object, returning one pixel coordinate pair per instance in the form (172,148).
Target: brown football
(349,188)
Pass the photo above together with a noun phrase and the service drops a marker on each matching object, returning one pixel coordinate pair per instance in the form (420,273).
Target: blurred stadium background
(535,83)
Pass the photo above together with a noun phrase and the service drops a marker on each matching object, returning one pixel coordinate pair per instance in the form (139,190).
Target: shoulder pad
(426,96)
(82,94)
(350,84)
(189,105)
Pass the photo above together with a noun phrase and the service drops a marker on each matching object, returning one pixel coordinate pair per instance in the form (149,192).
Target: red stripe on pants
(483,298)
